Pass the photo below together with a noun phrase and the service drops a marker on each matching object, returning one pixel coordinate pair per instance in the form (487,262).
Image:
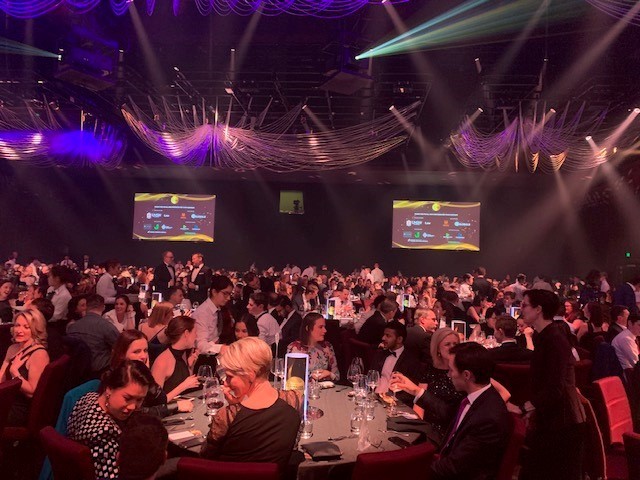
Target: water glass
(306,429)
(356,421)
(370,409)
(314,390)
(277,368)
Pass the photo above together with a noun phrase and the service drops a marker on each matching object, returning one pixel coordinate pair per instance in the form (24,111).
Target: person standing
(556,441)
(164,275)
(106,287)
(208,317)
(199,280)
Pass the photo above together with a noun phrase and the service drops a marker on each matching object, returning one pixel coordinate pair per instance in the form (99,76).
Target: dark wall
(49,212)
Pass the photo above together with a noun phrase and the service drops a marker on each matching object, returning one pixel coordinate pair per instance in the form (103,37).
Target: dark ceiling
(287,60)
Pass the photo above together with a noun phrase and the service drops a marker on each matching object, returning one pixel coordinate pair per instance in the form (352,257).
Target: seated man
(625,343)
(142,429)
(479,434)
(509,351)
(419,336)
(373,329)
(395,358)
(267,325)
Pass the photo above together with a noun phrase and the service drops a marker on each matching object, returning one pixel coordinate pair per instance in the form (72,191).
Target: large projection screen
(174,217)
(436,225)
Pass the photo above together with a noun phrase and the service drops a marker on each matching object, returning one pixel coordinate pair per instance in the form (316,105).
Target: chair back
(605,362)
(583,373)
(69,460)
(8,392)
(47,398)
(201,469)
(595,463)
(512,453)
(404,463)
(516,379)
(362,350)
(632,449)
(613,409)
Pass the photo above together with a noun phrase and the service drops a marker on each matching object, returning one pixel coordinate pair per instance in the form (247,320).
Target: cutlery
(177,428)
(394,432)
(341,437)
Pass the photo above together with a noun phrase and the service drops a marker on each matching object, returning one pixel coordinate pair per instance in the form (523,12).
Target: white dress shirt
(268,328)
(387,370)
(106,289)
(60,300)
(472,397)
(129,320)
(626,348)
(208,327)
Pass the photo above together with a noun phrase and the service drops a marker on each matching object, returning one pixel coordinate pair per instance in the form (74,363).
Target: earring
(106,403)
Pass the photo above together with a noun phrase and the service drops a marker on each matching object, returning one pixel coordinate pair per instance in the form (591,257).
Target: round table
(335,422)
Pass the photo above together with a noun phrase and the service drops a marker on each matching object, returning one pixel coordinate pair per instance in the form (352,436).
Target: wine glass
(277,368)
(213,396)
(394,387)
(373,379)
(354,372)
(358,361)
(194,305)
(360,389)
(204,372)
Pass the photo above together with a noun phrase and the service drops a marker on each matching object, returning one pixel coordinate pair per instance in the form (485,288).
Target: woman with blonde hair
(155,328)
(25,360)
(260,424)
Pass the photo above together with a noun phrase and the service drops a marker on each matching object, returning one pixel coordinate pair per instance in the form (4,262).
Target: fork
(395,432)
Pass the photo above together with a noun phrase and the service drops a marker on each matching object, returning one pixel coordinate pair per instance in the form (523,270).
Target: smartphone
(514,312)
(405,300)
(331,308)
(401,442)
(459,326)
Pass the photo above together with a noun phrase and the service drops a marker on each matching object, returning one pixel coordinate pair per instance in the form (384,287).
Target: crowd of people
(435,340)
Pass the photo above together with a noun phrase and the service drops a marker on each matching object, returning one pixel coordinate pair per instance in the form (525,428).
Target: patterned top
(321,357)
(90,425)
(443,392)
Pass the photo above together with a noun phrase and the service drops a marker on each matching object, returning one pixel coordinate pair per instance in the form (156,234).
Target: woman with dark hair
(155,328)
(245,327)
(98,417)
(478,309)
(312,342)
(133,345)
(6,289)
(596,326)
(123,317)
(76,308)
(173,369)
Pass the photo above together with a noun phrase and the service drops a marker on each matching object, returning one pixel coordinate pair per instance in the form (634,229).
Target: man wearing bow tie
(199,279)
(164,275)
(395,357)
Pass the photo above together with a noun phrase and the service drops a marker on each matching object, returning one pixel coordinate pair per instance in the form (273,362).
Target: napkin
(322,450)
(327,384)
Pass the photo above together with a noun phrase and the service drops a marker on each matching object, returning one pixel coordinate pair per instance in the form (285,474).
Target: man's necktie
(463,404)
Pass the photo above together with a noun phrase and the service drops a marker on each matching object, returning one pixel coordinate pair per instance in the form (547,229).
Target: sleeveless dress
(180,372)
(19,413)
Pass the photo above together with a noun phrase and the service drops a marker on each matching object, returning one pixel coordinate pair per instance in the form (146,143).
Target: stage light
(588,138)
(392,108)
(480,110)
(636,110)
(229,90)
(304,106)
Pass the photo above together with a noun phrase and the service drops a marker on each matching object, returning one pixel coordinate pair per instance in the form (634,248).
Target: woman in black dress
(260,424)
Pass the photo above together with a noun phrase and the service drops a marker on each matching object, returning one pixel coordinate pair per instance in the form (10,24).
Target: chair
(516,379)
(512,453)
(614,412)
(201,469)
(45,403)
(362,350)
(8,392)
(583,373)
(404,463)
(69,460)
(632,449)
(599,464)
(605,362)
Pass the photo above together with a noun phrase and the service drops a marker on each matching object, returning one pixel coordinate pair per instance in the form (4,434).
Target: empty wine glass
(360,389)
(394,387)
(277,368)
(354,370)
(204,372)
(373,379)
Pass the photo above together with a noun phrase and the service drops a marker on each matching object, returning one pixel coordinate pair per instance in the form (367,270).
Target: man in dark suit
(625,295)
(481,285)
(477,438)
(556,442)
(419,336)
(290,325)
(396,357)
(373,328)
(509,351)
(164,275)
(199,279)
(619,317)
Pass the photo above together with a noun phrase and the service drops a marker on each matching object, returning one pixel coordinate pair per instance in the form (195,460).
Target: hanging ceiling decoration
(195,139)
(627,10)
(316,8)
(42,141)
(545,142)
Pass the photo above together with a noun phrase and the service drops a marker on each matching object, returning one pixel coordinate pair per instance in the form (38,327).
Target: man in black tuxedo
(619,317)
(290,325)
(419,336)
(373,328)
(481,285)
(509,351)
(164,275)
(477,438)
(625,294)
(395,357)
(199,279)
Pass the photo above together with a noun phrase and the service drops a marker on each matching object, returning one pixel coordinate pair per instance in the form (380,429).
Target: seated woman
(173,369)
(6,289)
(98,417)
(487,327)
(123,317)
(321,354)
(246,327)
(260,424)
(154,329)
(133,345)
(25,360)
(572,315)
(478,309)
